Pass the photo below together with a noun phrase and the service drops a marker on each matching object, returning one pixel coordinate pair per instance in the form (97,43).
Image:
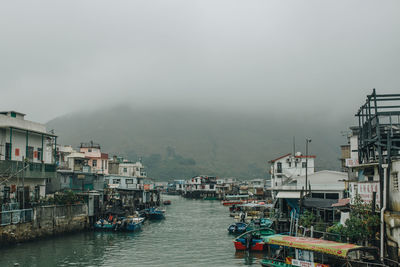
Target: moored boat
(104,225)
(253,240)
(132,224)
(167,202)
(235,200)
(284,250)
(210,198)
(155,214)
(237,228)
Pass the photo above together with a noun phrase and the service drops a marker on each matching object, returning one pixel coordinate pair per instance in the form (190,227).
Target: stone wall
(47,221)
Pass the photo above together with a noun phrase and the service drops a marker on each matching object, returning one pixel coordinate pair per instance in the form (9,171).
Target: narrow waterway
(193,234)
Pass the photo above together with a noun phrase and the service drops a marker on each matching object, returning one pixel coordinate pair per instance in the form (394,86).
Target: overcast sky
(58,57)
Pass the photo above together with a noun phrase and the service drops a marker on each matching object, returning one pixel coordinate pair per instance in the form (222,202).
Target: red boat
(235,200)
(232,202)
(167,202)
(253,240)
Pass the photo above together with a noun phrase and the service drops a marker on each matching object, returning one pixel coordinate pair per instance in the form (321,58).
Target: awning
(319,203)
(313,244)
(343,202)
(288,195)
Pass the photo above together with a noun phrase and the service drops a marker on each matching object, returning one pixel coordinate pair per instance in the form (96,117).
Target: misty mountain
(180,143)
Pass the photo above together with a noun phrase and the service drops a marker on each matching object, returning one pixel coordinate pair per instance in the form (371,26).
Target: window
(317,195)
(106,181)
(125,169)
(116,181)
(89,150)
(303,165)
(29,152)
(94,163)
(211,186)
(13,114)
(395,179)
(129,181)
(279,167)
(8,151)
(332,196)
(39,153)
(290,164)
(106,163)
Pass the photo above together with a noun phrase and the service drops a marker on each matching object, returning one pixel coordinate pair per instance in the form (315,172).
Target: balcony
(34,170)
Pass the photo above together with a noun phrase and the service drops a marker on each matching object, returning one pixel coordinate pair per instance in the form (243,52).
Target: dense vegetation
(182,143)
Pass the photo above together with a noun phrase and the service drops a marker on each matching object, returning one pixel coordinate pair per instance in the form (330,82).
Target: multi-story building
(97,160)
(27,157)
(200,187)
(374,164)
(290,166)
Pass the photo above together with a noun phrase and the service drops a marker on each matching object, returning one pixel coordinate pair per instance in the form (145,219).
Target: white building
(290,166)
(25,141)
(128,168)
(324,184)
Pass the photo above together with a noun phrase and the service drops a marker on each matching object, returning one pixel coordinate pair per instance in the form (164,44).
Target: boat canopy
(236,196)
(313,244)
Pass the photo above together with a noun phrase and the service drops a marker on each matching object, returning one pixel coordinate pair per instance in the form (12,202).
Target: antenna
(294,145)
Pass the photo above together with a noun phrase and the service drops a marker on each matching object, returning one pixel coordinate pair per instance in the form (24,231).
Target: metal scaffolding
(379,131)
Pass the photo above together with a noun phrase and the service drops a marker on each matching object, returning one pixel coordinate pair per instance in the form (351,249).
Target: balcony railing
(13,168)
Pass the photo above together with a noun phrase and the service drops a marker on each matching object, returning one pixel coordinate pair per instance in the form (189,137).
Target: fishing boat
(155,214)
(132,224)
(237,228)
(235,199)
(253,240)
(210,198)
(104,225)
(167,202)
(286,251)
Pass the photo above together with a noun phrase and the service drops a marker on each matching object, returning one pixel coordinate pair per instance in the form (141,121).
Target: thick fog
(250,56)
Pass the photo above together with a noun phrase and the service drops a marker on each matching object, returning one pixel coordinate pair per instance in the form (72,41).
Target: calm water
(194,234)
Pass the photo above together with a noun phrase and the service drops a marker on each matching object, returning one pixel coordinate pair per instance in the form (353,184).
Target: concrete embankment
(46,221)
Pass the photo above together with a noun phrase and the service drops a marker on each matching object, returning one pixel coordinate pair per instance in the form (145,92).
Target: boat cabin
(286,250)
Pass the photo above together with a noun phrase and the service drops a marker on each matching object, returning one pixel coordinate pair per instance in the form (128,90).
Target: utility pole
(23,183)
(308,140)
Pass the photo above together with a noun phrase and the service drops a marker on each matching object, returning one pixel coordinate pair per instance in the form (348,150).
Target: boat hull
(257,246)
(274,263)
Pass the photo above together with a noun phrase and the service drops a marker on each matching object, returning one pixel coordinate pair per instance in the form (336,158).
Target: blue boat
(132,224)
(104,225)
(237,228)
(155,214)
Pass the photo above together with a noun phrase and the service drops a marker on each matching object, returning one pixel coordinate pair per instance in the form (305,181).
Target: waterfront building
(290,166)
(74,173)
(27,157)
(226,186)
(374,165)
(97,160)
(200,187)
(322,185)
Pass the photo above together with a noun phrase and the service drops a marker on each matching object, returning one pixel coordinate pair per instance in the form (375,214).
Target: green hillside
(182,143)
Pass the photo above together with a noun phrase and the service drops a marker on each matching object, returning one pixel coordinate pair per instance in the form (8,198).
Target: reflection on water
(249,258)
(193,234)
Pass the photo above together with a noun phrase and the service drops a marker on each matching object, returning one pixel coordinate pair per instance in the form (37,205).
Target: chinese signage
(351,162)
(365,190)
